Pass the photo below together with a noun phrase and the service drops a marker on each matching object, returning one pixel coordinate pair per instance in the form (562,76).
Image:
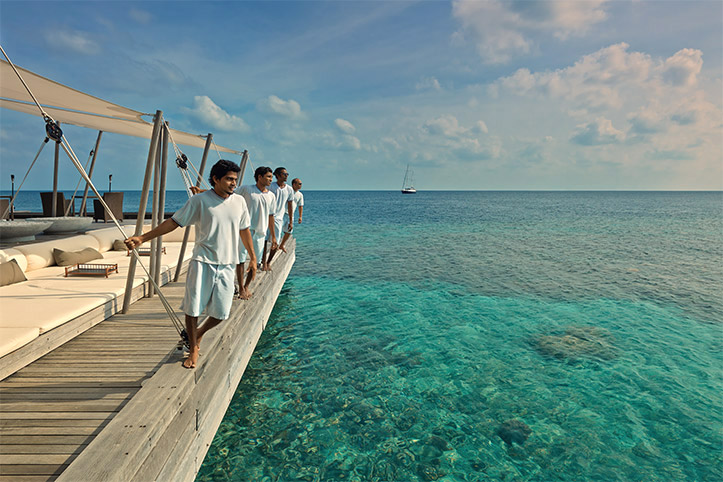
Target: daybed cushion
(69,258)
(40,255)
(48,299)
(10,273)
(107,236)
(13,338)
(11,253)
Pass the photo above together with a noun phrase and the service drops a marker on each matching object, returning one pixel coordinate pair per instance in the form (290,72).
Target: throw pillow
(119,245)
(69,258)
(11,273)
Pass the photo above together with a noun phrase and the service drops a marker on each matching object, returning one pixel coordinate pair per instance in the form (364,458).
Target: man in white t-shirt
(284,203)
(296,201)
(261,203)
(221,220)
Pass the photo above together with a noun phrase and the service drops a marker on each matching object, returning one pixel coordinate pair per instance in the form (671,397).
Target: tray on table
(85,269)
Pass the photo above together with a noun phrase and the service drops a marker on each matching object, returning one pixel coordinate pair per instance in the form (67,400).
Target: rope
(55,133)
(12,201)
(188,179)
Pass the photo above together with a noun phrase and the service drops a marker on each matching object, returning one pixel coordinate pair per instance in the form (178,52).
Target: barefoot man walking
(261,203)
(284,204)
(221,220)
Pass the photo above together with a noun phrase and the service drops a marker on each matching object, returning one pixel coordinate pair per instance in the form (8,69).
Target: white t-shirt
(218,222)
(260,205)
(298,200)
(283,196)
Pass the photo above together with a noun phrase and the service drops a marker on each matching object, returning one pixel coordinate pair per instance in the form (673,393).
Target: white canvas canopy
(70,106)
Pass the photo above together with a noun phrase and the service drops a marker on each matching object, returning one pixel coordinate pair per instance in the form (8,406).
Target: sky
(472,94)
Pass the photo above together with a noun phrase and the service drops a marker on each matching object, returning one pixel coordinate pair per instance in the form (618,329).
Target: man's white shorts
(209,289)
(258,241)
(278,224)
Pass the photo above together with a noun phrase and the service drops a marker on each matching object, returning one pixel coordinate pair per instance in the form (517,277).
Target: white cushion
(10,253)
(106,236)
(13,338)
(40,255)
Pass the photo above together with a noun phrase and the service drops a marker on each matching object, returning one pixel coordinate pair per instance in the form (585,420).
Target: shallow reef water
(557,336)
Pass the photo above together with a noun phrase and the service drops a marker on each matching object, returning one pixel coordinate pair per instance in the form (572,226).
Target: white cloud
(207,111)
(502,30)
(140,16)
(286,108)
(598,132)
(345,126)
(78,42)
(428,83)
(683,68)
(466,143)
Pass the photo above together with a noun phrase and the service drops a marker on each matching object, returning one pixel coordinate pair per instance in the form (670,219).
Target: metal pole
(142,205)
(161,203)
(54,208)
(90,175)
(187,232)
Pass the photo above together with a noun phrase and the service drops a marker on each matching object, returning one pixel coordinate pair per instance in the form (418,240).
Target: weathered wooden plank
(62,406)
(37,449)
(63,388)
(58,415)
(6,423)
(28,478)
(45,439)
(80,383)
(62,430)
(10,471)
(58,395)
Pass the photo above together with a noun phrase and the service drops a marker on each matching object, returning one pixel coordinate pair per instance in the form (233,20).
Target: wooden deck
(115,404)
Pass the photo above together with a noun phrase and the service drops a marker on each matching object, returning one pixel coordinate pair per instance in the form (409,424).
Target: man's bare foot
(282,249)
(190,362)
(265,267)
(244,294)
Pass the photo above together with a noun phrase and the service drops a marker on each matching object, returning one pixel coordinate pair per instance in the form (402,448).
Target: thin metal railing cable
(12,201)
(77,186)
(55,133)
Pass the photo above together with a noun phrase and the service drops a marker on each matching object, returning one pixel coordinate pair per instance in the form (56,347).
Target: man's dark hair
(221,168)
(261,171)
(278,170)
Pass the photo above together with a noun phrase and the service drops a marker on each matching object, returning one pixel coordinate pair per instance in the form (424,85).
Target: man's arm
(164,228)
(272,230)
(249,245)
(290,207)
(301,211)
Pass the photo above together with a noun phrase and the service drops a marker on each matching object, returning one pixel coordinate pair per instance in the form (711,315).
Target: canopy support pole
(244,161)
(142,205)
(161,202)
(154,214)
(90,175)
(54,208)
(187,231)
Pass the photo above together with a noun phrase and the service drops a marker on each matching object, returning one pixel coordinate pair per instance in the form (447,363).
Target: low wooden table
(84,269)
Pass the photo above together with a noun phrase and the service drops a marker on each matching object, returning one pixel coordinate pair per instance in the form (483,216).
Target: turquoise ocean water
(417,333)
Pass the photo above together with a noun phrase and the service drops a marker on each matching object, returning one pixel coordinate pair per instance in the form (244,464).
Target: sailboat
(408,184)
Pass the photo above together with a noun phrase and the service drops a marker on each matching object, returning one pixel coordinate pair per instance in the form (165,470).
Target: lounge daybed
(48,309)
